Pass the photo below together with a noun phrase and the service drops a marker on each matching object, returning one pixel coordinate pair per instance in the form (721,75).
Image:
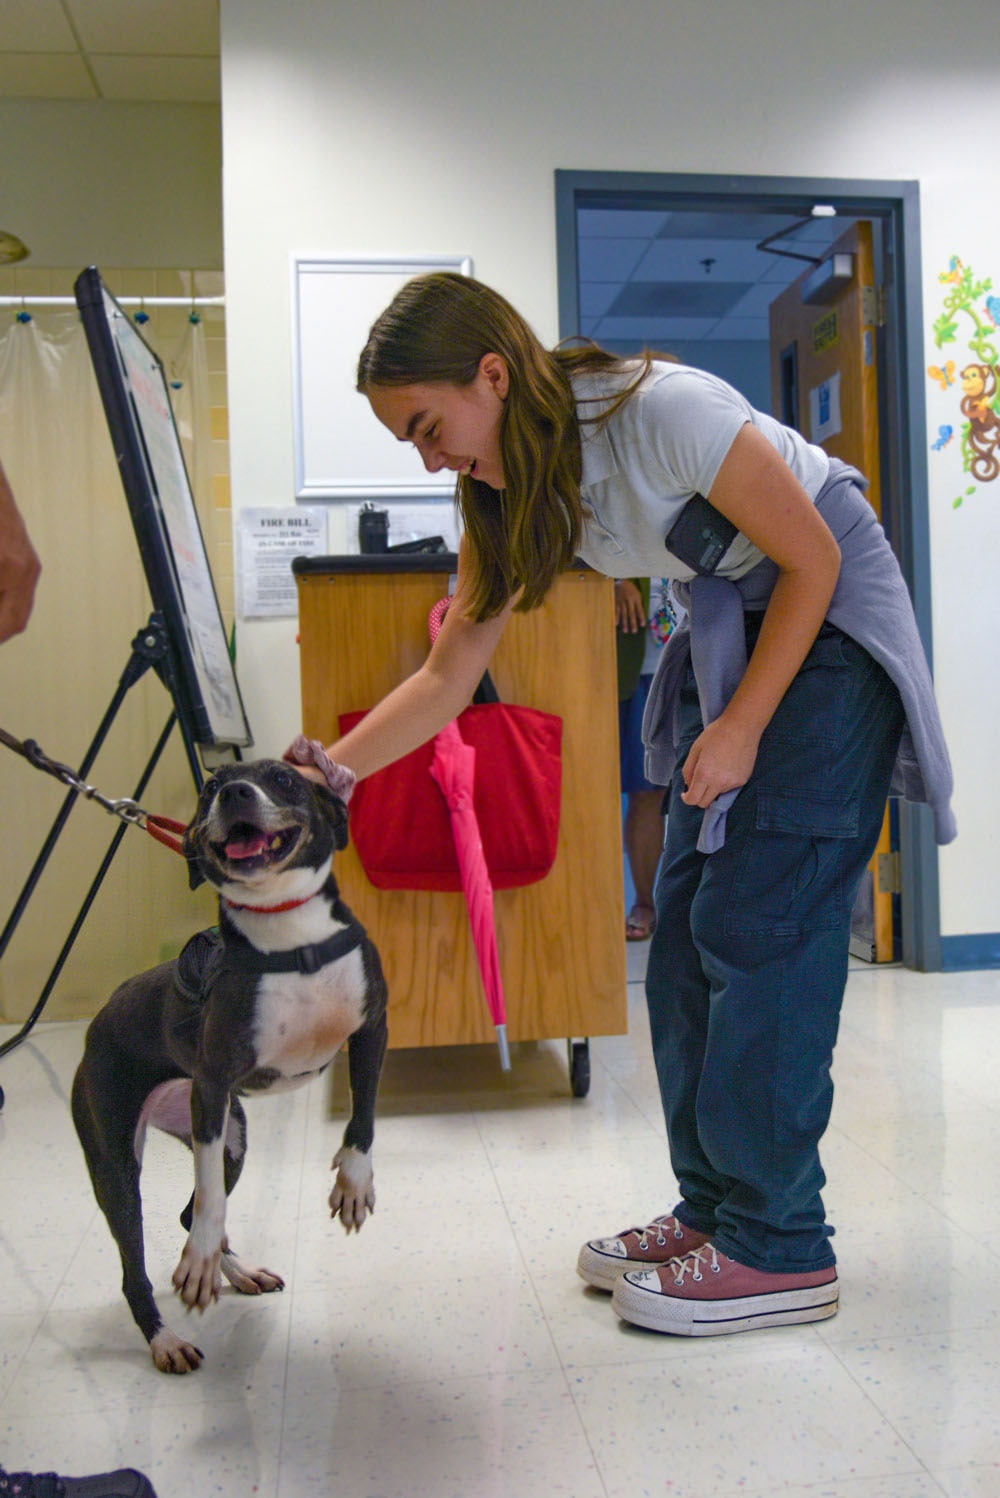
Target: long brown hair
(437,329)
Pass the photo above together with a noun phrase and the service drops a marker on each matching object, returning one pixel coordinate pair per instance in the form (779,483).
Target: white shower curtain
(57,680)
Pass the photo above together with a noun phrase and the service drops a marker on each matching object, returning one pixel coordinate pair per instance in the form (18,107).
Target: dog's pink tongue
(249,847)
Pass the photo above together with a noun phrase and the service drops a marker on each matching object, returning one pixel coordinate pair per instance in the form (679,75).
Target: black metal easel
(150,647)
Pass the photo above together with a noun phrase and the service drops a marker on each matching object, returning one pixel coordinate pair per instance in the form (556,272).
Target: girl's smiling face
(451,426)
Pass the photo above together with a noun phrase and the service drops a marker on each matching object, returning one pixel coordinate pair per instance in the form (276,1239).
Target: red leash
(165,830)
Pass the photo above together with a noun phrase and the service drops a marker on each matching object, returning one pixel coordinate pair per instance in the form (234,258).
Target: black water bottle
(373,528)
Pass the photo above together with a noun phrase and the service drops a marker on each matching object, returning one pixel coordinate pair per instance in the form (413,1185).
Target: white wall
(128,185)
(387,129)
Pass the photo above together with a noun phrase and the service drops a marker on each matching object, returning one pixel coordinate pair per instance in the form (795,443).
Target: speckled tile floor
(451,1351)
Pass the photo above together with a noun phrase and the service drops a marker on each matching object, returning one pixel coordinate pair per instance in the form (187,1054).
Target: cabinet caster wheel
(579,1066)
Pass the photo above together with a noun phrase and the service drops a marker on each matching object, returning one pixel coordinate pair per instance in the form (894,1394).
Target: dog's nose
(235,795)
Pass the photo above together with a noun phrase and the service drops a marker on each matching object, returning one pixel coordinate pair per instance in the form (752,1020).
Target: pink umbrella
(454,769)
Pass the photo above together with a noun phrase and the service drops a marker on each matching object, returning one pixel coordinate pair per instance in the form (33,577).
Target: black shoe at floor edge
(126,1483)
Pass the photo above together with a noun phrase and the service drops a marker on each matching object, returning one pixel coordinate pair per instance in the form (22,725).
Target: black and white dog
(260,1005)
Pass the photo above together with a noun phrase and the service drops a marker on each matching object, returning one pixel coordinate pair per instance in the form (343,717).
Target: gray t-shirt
(666,443)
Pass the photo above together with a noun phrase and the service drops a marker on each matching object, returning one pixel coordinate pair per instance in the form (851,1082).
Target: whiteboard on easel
(341,450)
(136,402)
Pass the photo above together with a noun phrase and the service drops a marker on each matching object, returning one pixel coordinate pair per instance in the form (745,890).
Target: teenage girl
(793,698)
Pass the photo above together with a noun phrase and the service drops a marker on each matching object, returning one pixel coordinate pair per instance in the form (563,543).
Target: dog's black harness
(240,953)
(208,951)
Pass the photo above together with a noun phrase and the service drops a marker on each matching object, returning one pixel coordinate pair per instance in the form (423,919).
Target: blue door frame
(896,205)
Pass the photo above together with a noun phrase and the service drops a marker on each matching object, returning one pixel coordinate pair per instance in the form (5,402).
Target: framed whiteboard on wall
(341,450)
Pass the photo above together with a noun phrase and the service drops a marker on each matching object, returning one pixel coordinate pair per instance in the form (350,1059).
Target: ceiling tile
(651,330)
(44,75)
(750,227)
(165,27)
(684,259)
(609,259)
(741,330)
(669,297)
(596,297)
(188,80)
(36,26)
(757,301)
(654,299)
(613,223)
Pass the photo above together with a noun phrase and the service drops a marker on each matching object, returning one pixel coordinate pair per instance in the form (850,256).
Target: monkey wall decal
(979,381)
(970,311)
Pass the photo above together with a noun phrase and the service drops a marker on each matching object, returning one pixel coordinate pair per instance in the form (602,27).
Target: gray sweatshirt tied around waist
(870,603)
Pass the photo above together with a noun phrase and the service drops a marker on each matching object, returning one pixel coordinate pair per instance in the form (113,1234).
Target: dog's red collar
(272,909)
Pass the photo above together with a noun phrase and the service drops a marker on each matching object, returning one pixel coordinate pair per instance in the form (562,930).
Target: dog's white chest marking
(303,1020)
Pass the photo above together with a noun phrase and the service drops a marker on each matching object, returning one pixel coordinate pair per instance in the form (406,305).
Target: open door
(824,382)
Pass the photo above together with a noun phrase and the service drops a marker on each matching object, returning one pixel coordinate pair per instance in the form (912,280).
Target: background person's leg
(643,848)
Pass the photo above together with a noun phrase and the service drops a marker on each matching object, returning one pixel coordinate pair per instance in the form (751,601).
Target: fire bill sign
(270,540)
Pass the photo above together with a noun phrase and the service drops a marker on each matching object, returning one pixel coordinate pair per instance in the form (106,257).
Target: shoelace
(693,1262)
(658,1223)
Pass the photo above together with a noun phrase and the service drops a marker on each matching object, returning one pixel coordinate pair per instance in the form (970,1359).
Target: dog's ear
(189,847)
(334,810)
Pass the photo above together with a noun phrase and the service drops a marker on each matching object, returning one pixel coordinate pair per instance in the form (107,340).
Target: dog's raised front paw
(172,1354)
(249,1281)
(353,1194)
(198,1277)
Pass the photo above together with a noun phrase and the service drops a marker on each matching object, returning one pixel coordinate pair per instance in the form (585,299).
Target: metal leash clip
(164,829)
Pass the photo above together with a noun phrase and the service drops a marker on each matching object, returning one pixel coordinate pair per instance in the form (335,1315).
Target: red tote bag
(400,823)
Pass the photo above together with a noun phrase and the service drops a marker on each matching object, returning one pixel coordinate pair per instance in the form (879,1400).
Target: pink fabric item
(303,751)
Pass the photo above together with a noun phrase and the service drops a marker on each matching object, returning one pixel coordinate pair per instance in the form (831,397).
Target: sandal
(641,922)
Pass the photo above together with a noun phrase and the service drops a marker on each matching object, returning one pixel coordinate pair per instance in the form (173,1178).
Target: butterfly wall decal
(943,374)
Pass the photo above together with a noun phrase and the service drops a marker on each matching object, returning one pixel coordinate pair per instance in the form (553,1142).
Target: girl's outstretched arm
(425,702)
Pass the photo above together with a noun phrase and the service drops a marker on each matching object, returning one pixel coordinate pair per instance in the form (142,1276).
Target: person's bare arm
(757,490)
(629,612)
(429,699)
(19,566)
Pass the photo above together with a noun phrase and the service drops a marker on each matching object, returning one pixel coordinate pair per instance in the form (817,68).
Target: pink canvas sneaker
(603,1260)
(707,1294)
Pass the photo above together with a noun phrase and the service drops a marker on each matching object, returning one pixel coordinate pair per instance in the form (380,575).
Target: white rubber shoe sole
(684,1316)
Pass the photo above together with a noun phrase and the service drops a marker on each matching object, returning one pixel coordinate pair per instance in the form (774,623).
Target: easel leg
(91,895)
(48,846)
(149,648)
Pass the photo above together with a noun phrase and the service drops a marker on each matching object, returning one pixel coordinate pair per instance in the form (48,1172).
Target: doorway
(693,264)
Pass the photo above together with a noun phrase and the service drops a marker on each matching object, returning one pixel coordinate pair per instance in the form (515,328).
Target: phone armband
(700,536)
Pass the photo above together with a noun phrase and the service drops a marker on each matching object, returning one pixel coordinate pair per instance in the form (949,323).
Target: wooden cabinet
(363,628)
